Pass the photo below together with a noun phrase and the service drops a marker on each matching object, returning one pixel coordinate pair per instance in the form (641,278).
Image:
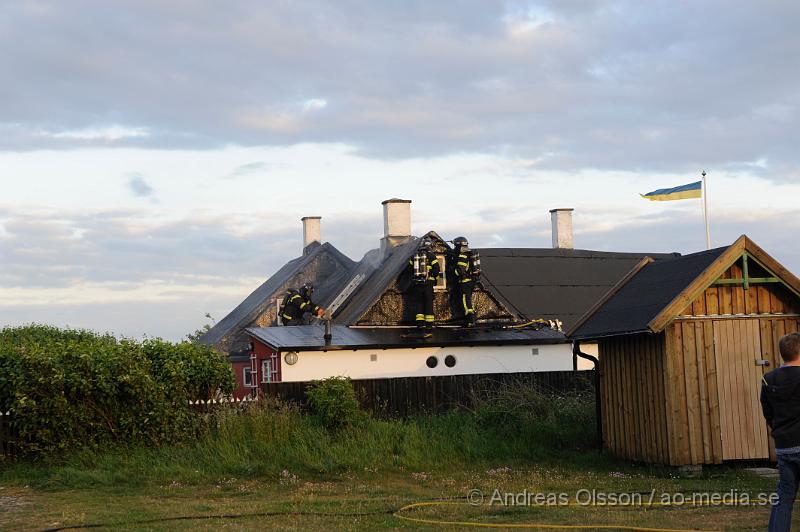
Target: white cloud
(314,104)
(100,133)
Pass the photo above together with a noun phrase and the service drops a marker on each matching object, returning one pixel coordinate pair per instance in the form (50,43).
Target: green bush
(333,402)
(541,416)
(69,389)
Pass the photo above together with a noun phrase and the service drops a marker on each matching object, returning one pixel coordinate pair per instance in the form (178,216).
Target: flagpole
(705,210)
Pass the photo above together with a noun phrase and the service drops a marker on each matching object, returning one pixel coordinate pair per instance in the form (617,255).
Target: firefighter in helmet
(467,271)
(297,303)
(425,270)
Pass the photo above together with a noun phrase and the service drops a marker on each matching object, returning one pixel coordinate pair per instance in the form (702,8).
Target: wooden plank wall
(734,299)
(737,347)
(633,397)
(692,399)
(406,396)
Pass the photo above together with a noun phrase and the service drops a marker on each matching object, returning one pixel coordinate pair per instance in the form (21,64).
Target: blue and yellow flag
(692,190)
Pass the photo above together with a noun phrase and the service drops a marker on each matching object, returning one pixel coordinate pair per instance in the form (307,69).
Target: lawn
(370,499)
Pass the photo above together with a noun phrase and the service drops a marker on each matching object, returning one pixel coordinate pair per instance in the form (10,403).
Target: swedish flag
(692,190)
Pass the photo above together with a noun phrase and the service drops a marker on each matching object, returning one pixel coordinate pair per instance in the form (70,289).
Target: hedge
(68,388)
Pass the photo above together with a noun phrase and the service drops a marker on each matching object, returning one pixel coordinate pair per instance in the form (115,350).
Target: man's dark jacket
(780,401)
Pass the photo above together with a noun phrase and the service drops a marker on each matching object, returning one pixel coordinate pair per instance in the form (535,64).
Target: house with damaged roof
(370,314)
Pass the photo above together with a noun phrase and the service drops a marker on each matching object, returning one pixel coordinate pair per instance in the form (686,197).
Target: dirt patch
(11,504)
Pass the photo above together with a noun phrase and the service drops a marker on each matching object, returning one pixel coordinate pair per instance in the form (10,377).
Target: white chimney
(396,222)
(561,220)
(311,231)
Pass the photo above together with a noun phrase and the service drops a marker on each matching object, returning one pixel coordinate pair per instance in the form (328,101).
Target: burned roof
(325,289)
(379,267)
(645,294)
(555,284)
(311,337)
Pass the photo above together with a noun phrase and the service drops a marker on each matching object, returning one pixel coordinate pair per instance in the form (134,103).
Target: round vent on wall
(432,362)
(449,361)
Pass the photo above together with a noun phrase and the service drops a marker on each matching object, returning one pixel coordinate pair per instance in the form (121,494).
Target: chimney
(561,220)
(311,231)
(396,222)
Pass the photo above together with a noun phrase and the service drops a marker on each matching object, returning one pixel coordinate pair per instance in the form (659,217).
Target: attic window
(441,284)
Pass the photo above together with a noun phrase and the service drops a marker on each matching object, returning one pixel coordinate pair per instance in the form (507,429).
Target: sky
(156,156)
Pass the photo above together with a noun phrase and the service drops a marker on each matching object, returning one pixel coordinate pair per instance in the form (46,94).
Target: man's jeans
(789,470)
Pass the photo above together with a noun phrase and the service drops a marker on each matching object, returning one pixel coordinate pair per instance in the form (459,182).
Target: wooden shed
(683,345)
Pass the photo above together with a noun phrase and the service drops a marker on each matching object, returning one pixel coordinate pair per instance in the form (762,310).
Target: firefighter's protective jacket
(295,305)
(466,270)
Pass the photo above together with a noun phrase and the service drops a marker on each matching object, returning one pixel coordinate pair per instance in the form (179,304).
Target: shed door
(737,350)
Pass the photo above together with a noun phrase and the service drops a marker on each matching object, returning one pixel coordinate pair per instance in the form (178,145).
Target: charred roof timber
(311,232)
(396,223)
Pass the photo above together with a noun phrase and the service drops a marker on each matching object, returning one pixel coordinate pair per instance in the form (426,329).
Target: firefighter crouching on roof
(297,303)
(426,271)
(467,272)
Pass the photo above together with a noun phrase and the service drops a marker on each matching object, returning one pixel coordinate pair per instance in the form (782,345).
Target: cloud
(568,84)
(248,168)
(139,187)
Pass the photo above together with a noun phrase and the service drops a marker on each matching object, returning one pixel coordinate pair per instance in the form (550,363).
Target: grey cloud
(571,84)
(252,168)
(139,187)
(172,319)
(681,230)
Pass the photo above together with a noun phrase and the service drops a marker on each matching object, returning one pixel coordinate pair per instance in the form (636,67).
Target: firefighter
(425,270)
(297,303)
(467,271)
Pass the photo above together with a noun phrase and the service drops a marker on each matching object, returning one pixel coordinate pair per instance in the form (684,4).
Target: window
(266,370)
(247,376)
(441,284)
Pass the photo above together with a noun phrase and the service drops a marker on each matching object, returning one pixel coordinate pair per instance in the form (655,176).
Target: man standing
(426,270)
(467,271)
(296,303)
(780,401)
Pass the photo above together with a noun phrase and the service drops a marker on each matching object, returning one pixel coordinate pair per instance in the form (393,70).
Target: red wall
(262,352)
(238,367)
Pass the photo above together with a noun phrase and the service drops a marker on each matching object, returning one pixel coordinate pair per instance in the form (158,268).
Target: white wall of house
(384,363)
(589,349)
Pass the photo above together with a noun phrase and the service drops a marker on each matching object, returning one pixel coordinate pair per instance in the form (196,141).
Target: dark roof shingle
(555,283)
(310,337)
(645,295)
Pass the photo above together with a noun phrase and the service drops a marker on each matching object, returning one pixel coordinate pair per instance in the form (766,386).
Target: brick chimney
(311,231)
(396,222)
(561,220)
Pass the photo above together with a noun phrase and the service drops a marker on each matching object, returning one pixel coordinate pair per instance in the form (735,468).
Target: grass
(275,467)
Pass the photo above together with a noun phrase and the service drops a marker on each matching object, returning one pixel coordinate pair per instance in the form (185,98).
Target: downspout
(576,352)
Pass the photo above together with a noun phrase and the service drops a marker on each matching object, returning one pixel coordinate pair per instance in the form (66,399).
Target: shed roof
(310,337)
(555,283)
(655,292)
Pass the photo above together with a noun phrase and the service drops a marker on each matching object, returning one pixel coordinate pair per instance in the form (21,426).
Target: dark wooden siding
(404,396)
(633,397)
